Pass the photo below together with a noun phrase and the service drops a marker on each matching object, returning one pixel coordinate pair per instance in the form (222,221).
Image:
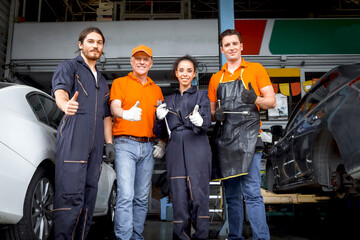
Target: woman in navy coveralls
(188,154)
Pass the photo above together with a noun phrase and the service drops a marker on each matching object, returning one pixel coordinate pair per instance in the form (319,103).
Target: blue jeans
(248,186)
(134,164)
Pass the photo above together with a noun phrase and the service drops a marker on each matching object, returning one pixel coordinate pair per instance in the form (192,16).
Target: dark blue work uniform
(79,148)
(188,160)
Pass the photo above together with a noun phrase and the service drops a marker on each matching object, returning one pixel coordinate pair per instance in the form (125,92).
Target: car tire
(270,178)
(38,205)
(112,204)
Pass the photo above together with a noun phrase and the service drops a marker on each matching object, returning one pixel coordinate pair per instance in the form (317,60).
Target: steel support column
(226,20)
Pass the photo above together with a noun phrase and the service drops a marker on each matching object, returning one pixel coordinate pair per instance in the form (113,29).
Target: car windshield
(311,99)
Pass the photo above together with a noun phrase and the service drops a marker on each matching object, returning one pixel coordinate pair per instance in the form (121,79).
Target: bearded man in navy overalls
(82,94)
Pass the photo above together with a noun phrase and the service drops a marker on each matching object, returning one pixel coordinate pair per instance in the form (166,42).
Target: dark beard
(89,56)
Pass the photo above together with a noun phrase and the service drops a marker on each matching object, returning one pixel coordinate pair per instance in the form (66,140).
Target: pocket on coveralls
(74,176)
(81,85)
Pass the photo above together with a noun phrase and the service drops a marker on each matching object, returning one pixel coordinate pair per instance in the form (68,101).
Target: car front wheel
(112,204)
(37,223)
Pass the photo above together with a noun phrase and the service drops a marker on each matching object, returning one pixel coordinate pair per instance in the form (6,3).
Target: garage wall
(168,38)
(39,47)
(4,26)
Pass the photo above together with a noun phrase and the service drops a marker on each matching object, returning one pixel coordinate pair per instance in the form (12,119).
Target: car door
(48,113)
(53,113)
(286,149)
(349,136)
(319,105)
(283,154)
(303,139)
(283,159)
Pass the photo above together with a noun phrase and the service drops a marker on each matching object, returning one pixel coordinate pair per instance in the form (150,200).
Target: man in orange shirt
(236,93)
(132,101)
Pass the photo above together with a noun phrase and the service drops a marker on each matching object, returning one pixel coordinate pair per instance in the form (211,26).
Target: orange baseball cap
(142,48)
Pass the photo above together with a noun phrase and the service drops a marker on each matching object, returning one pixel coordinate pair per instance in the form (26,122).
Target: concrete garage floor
(161,230)
(336,219)
(155,229)
(279,230)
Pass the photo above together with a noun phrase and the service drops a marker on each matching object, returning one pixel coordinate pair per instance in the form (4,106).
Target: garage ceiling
(79,11)
(71,10)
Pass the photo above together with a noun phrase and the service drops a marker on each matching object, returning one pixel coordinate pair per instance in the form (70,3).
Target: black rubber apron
(235,139)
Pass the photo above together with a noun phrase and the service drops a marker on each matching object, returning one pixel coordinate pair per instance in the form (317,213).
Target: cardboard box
(103,11)
(106,5)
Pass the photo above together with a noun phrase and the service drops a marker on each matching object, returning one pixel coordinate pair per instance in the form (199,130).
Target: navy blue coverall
(79,148)
(188,160)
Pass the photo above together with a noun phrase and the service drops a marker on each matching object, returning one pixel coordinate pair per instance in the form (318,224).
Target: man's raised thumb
(137,104)
(250,87)
(196,109)
(75,96)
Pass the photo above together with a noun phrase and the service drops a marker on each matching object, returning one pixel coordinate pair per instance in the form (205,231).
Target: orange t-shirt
(253,72)
(129,90)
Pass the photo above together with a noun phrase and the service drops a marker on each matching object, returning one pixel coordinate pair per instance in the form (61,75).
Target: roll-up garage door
(4,25)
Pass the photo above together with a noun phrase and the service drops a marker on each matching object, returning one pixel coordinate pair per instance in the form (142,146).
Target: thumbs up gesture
(72,105)
(249,96)
(196,118)
(133,114)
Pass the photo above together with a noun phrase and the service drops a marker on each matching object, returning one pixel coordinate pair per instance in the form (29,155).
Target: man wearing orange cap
(132,101)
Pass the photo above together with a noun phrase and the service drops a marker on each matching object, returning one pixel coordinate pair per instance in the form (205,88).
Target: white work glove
(133,114)
(161,111)
(159,149)
(196,118)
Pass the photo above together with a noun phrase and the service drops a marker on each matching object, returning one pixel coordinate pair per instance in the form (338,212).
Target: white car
(28,123)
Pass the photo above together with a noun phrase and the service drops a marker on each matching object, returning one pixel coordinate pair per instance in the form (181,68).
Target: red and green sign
(298,37)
